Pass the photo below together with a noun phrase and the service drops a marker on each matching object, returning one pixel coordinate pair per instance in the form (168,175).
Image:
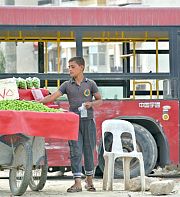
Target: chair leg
(105,174)
(142,173)
(110,172)
(126,171)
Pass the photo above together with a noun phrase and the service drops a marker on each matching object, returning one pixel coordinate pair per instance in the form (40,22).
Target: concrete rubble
(135,183)
(162,187)
(156,186)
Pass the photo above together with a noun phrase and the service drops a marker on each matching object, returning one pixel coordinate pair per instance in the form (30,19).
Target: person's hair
(79,60)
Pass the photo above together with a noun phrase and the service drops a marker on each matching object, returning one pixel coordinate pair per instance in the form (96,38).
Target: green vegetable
(25,106)
(36,82)
(29,82)
(21,83)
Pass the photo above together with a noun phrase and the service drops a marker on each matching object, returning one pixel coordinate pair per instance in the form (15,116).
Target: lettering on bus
(149,105)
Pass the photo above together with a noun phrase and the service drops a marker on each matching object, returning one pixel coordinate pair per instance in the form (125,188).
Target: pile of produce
(25,106)
(28,83)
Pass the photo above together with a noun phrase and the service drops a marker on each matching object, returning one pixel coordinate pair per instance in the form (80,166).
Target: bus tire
(145,143)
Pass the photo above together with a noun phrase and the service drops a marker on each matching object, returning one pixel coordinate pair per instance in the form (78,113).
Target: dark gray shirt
(78,94)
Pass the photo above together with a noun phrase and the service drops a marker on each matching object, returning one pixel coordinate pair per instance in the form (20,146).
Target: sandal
(90,188)
(74,189)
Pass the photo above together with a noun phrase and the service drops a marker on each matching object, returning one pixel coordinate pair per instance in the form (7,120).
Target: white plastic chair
(117,127)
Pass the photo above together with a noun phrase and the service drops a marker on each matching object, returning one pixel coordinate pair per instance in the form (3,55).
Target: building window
(44,2)
(97,57)
(67,0)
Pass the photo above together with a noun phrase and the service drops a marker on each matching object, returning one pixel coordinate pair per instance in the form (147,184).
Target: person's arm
(51,98)
(94,103)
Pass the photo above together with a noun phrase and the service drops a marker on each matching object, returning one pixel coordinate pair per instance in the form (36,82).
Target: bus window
(115,93)
(103,57)
(145,57)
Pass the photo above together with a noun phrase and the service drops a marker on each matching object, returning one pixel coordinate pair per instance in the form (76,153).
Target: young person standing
(80,92)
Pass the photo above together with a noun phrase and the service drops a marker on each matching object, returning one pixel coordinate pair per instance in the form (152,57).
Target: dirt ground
(57,186)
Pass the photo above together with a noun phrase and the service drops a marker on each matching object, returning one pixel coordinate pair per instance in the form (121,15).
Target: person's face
(75,69)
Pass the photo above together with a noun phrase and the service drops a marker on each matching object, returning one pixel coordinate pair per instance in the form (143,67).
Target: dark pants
(85,145)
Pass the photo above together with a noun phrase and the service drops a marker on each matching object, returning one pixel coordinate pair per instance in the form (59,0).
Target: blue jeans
(84,146)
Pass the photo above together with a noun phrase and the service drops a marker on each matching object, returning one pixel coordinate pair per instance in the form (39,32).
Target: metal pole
(79,49)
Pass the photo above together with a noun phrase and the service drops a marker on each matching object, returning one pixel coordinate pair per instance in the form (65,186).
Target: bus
(133,55)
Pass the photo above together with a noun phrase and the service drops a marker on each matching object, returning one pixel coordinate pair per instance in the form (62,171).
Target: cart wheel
(39,174)
(20,173)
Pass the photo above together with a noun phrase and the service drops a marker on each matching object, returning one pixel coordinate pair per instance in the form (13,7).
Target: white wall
(26,58)
(26,2)
(161,3)
(19,2)
(1,2)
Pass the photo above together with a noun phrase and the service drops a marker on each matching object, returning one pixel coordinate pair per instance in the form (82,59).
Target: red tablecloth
(46,124)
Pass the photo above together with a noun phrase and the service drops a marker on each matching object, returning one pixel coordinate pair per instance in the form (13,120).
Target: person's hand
(88,105)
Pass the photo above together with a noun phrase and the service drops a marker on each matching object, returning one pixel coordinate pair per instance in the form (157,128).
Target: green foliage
(22,105)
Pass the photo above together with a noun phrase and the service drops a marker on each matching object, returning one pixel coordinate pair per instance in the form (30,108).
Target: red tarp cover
(46,124)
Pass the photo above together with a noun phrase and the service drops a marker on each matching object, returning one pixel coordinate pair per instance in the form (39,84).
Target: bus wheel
(145,143)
